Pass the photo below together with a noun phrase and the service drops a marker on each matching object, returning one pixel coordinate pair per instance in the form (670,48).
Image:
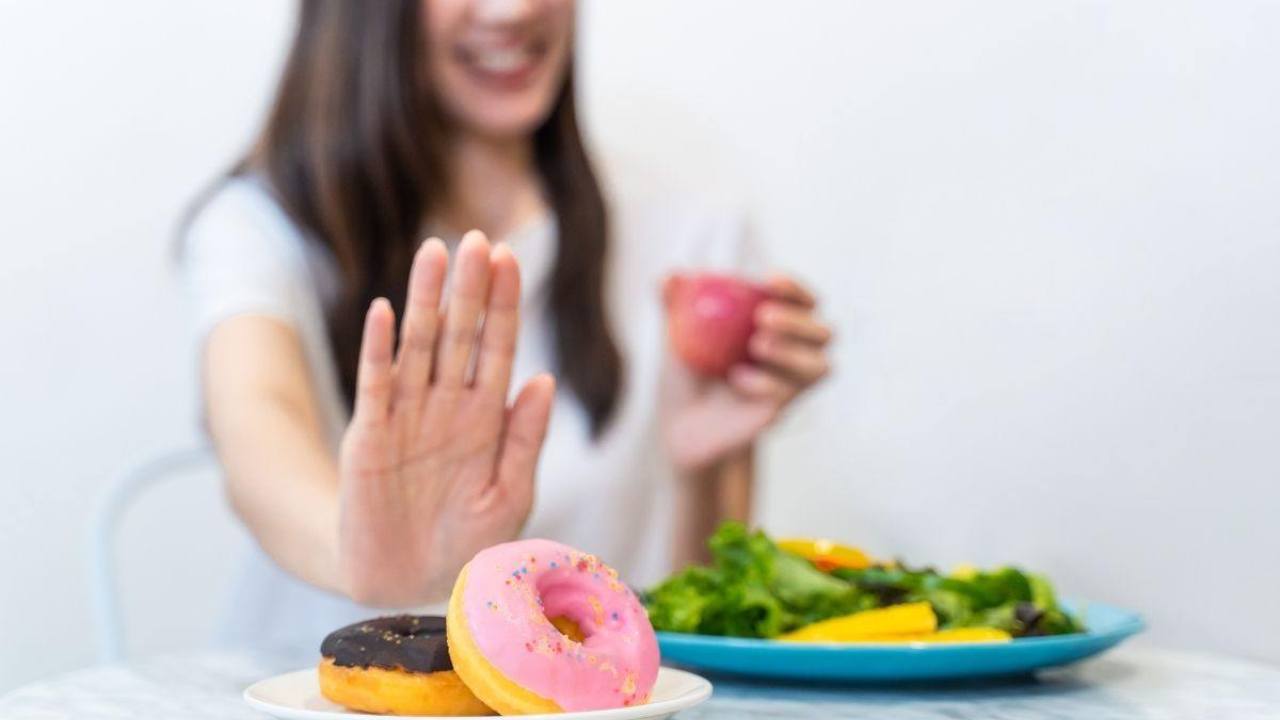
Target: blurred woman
(382,411)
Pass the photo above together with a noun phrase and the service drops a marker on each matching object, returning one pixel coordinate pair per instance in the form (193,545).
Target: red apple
(710,319)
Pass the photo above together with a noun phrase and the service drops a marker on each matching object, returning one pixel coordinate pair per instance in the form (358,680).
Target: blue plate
(1107,626)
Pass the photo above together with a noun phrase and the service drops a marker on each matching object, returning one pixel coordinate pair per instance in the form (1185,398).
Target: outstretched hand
(435,464)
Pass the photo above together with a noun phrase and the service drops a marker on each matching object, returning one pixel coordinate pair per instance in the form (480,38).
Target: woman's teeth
(502,61)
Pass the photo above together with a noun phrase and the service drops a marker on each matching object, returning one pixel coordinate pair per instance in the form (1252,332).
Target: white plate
(296,696)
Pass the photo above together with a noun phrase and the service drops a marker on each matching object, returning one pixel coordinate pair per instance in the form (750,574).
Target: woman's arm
(707,497)
(711,426)
(281,475)
(736,485)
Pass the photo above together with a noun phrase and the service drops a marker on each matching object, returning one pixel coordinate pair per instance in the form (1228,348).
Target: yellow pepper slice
(874,625)
(825,554)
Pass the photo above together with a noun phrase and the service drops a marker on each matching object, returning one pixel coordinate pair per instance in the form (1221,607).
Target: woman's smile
(498,67)
(509,67)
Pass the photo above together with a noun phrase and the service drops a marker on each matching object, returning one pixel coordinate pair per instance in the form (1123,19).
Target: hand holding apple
(746,351)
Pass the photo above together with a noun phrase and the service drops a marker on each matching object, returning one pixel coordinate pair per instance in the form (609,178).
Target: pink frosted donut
(505,647)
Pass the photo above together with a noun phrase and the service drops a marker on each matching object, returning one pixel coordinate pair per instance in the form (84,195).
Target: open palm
(435,464)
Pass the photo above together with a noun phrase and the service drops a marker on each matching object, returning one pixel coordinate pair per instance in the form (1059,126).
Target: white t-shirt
(612,496)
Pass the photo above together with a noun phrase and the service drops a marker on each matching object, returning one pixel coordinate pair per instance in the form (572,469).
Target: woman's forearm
(285,491)
(705,498)
(736,486)
(280,475)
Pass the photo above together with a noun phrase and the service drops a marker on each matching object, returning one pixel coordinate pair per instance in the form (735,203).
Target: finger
(501,324)
(760,384)
(784,287)
(801,361)
(669,284)
(526,429)
(374,376)
(467,298)
(421,323)
(793,321)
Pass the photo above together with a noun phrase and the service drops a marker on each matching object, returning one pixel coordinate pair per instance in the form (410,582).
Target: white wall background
(1049,234)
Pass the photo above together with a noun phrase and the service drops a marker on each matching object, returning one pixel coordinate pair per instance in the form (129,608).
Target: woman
(370,468)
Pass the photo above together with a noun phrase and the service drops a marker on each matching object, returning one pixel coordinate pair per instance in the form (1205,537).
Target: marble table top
(1128,683)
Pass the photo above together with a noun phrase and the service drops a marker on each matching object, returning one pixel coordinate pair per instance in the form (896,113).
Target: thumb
(526,429)
(670,284)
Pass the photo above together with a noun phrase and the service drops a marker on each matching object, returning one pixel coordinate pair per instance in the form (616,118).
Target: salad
(818,591)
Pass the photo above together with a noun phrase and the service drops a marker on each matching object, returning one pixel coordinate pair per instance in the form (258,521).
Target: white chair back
(122,497)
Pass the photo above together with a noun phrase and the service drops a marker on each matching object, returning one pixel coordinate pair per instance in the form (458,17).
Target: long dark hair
(355,151)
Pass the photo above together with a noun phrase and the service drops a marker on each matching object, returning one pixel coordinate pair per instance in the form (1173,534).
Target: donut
(538,627)
(394,665)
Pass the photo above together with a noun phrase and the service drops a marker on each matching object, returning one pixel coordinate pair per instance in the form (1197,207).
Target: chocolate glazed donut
(408,642)
(395,665)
